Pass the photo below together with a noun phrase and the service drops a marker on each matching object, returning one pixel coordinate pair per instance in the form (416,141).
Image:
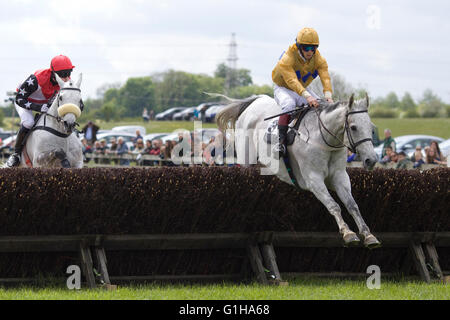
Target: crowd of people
(102,152)
(429,155)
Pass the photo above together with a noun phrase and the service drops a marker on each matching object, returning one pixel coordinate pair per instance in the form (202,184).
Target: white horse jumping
(318,154)
(52,142)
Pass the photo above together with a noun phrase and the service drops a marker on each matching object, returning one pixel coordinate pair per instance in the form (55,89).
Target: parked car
(185,115)
(168,114)
(127,138)
(153,136)
(130,129)
(445,148)
(408,143)
(210,114)
(203,107)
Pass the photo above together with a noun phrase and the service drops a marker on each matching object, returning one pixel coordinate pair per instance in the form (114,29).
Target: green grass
(298,289)
(435,127)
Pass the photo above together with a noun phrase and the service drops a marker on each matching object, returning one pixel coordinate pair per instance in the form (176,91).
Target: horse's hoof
(351,239)
(371,242)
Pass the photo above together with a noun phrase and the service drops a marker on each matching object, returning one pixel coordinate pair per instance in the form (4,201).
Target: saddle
(272,130)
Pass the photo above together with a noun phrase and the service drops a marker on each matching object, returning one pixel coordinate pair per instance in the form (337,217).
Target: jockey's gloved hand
(44,108)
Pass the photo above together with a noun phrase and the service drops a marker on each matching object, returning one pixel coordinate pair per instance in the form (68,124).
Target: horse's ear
(79,81)
(350,101)
(367,100)
(59,80)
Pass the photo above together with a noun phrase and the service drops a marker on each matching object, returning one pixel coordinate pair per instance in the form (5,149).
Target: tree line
(164,90)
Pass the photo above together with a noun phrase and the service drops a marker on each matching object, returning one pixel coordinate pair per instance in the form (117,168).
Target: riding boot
(14,159)
(283,126)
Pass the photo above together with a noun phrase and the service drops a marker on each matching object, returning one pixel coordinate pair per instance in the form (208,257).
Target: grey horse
(318,154)
(52,142)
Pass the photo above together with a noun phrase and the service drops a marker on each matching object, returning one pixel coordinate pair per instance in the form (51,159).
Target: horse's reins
(353,144)
(57,118)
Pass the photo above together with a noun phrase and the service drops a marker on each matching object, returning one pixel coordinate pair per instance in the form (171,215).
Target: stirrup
(13,160)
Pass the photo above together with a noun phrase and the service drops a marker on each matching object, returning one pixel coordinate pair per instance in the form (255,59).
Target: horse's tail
(227,117)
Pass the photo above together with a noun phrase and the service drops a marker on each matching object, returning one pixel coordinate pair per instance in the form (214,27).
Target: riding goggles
(64,73)
(307,48)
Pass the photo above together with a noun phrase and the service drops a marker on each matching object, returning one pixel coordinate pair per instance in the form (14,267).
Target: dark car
(168,114)
(186,115)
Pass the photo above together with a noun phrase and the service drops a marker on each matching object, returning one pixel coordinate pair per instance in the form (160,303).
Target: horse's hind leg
(342,186)
(317,186)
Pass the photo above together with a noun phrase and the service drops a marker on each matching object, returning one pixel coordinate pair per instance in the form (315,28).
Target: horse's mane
(327,107)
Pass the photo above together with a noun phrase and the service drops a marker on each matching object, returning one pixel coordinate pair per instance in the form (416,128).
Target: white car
(445,148)
(127,138)
(153,136)
(408,143)
(130,129)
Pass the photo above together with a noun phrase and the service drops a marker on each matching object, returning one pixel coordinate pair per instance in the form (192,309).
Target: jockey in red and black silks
(36,94)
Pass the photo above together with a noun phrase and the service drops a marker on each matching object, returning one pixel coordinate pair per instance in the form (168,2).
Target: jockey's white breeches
(26,116)
(287,99)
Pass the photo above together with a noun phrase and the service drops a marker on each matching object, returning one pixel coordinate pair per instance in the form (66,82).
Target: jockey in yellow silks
(296,69)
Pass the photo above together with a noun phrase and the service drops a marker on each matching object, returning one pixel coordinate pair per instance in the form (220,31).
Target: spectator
(122,149)
(139,149)
(104,148)
(138,136)
(112,149)
(417,154)
(166,152)
(152,115)
(156,147)
(387,142)
(403,161)
(393,157)
(387,156)
(98,151)
(90,132)
(434,145)
(350,156)
(432,157)
(86,149)
(196,114)
(417,158)
(145,115)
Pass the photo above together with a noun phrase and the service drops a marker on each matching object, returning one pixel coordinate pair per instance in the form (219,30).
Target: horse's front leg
(316,184)
(341,184)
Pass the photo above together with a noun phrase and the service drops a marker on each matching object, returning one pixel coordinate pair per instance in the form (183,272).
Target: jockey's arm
(325,79)
(25,91)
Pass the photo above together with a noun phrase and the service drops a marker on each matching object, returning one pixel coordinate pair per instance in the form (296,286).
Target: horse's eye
(353,128)
(60,98)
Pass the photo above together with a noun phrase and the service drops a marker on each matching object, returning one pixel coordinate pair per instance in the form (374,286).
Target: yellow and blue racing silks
(293,72)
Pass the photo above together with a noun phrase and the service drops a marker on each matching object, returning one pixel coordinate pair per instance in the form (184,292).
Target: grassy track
(298,289)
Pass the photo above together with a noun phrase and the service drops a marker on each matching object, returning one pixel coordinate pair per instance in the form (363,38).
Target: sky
(382,46)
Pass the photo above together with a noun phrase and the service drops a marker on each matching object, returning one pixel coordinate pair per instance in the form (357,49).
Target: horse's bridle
(353,144)
(57,118)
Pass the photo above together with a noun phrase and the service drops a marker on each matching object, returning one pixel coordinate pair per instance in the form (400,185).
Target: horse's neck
(334,120)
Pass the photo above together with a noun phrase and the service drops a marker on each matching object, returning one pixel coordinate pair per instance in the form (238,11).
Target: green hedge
(200,199)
